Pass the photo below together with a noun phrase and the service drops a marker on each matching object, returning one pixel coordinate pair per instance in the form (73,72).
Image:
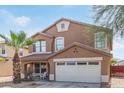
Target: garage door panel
(78,73)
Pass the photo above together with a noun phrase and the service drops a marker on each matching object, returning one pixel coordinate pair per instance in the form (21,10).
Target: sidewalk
(117,82)
(5,79)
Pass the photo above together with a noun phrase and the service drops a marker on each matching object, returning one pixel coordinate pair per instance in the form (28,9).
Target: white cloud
(10,19)
(22,21)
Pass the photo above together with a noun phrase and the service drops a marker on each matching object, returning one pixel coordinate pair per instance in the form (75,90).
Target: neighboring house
(118,69)
(6,66)
(68,51)
(119,63)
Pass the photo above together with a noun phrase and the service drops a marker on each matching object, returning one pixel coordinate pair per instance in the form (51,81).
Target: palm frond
(17,40)
(111,16)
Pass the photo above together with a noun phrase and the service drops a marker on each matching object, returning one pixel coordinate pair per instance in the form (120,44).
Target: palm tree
(111,16)
(17,41)
(113,61)
(2,59)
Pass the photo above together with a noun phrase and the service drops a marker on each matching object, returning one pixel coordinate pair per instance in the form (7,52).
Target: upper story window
(59,43)
(3,49)
(40,46)
(100,40)
(63,26)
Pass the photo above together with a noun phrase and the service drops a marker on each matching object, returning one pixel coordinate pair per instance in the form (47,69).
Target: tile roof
(35,57)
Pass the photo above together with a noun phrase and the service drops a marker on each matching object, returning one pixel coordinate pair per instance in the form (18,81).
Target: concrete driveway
(67,85)
(47,84)
(115,83)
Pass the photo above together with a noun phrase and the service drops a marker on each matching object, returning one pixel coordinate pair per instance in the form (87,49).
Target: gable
(78,52)
(62,20)
(70,27)
(40,36)
(63,26)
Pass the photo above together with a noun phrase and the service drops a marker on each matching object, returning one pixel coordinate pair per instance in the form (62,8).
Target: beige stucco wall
(10,52)
(6,68)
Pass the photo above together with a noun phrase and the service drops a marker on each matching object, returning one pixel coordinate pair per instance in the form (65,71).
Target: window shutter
(34,49)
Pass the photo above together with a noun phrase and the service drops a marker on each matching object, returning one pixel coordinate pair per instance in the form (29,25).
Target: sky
(33,19)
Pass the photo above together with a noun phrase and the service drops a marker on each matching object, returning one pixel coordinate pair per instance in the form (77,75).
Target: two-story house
(69,51)
(6,65)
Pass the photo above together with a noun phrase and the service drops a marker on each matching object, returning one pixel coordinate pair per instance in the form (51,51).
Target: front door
(39,68)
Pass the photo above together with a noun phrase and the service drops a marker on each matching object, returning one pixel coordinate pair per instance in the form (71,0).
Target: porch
(35,70)
(35,66)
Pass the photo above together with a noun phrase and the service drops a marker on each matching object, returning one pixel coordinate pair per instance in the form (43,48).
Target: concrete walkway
(6,79)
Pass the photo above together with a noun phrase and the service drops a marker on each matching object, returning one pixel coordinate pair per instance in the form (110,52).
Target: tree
(113,61)
(2,59)
(17,41)
(110,16)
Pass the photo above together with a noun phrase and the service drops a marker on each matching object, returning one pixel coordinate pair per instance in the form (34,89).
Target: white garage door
(78,71)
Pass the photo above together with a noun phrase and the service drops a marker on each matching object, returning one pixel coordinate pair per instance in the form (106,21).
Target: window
(37,68)
(40,46)
(61,63)
(59,43)
(100,40)
(81,63)
(21,52)
(37,46)
(62,26)
(93,63)
(70,63)
(2,49)
(40,67)
(43,67)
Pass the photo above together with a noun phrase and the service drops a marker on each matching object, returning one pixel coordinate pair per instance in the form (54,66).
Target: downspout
(52,50)
(52,45)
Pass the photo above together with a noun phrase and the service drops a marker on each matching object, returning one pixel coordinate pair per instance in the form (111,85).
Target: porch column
(33,68)
(25,71)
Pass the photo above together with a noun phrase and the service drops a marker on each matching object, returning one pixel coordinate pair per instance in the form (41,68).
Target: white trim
(39,53)
(51,76)
(66,23)
(4,55)
(41,46)
(56,41)
(22,76)
(105,78)
(78,59)
(105,41)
